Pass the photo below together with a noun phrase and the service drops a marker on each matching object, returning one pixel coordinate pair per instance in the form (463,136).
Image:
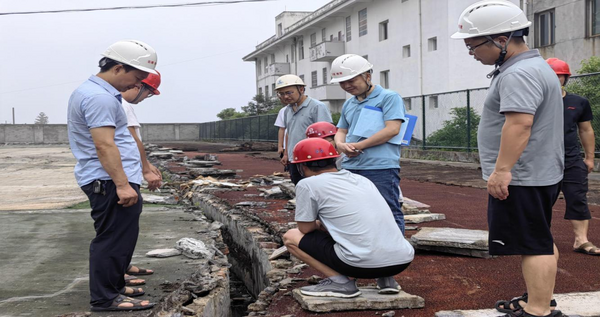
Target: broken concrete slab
(161,155)
(289,189)
(452,240)
(260,204)
(163,253)
(194,249)
(278,252)
(419,218)
(195,172)
(584,304)
(203,163)
(368,300)
(415,204)
(156,199)
(273,193)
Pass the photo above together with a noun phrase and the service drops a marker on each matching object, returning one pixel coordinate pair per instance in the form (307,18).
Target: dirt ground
(36,177)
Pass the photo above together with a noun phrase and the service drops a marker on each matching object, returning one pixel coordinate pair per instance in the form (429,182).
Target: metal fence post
(468,121)
(424,119)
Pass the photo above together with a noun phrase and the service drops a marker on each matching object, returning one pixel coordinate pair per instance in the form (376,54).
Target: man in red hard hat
(578,120)
(333,208)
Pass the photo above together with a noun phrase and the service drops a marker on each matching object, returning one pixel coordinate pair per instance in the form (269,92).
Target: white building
(408,42)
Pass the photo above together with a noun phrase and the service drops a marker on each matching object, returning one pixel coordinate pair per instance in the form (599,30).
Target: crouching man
(345,227)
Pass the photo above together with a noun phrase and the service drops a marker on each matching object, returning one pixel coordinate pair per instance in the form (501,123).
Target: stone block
(451,240)
(368,300)
(419,218)
(163,253)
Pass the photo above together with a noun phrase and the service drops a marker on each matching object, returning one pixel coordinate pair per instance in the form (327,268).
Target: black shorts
(319,245)
(575,188)
(520,225)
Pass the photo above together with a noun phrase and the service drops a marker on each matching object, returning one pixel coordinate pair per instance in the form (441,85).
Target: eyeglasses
(286,93)
(473,48)
(145,87)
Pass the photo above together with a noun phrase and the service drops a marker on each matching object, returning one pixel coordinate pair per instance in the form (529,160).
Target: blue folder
(370,121)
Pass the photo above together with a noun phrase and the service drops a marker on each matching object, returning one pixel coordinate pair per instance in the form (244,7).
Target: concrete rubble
(368,300)
(163,253)
(194,249)
(452,240)
(157,199)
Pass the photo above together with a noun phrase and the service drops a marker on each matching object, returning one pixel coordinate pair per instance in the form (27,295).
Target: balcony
(327,51)
(327,92)
(277,69)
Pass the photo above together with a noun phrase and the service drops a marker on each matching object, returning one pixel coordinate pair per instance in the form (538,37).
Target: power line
(135,7)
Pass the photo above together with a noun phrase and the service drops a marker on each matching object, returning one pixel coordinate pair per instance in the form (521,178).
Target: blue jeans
(387,182)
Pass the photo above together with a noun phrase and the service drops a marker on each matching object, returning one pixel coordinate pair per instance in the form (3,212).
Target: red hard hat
(321,130)
(153,81)
(313,149)
(559,67)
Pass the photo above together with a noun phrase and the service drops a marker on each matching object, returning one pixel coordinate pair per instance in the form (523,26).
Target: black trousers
(294,173)
(111,250)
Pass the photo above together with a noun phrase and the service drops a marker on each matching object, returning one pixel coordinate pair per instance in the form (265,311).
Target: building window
(362,22)
(313,39)
(365,57)
(432,44)
(404,1)
(594,17)
(313,79)
(383,30)
(259,67)
(273,88)
(348,28)
(384,79)
(545,28)
(260,91)
(323,35)
(301,49)
(340,36)
(325,76)
(301,77)
(272,58)
(279,29)
(433,102)
(266,92)
(293,52)
(406,51)
(287,58)
(266,65)
(407,103)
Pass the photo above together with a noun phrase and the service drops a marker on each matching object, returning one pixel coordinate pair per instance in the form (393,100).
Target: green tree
(42,118)
(454,132)
(260,105)
(230,113)
(587,87)
(335,117)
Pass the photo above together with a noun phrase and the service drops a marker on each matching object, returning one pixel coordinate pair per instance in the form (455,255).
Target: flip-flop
(582,249)
(140,271)
(114,306)
(136,292)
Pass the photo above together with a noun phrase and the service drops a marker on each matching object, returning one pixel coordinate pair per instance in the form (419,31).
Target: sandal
(135,292)
(114,306)
(591,249)
(507,304)
(522,313)
(131,280)
(139,272)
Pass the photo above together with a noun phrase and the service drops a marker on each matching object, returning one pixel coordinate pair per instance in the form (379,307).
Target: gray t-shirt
(525,84)
(296,123)
(356,216)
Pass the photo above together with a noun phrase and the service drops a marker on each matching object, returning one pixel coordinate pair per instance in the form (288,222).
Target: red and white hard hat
(153,81)
(560,67)
(134,53)
(313,149)
(321,130)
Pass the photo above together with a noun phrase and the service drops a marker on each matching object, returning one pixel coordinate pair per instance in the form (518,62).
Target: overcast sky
(44,57)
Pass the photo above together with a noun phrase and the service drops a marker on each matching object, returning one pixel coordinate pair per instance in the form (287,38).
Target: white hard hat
(490,17)
(288,80)
(134,53)
(348,66)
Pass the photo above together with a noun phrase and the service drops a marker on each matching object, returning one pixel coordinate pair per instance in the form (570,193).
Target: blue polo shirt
(382,156)
(94,104)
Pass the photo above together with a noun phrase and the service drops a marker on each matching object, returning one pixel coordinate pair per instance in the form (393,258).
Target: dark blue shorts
(575,188)
(520,225)
(319,245)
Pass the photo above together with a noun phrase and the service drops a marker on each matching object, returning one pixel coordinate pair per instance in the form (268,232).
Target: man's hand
(127,195)
(590,164)
(280,150)
(284,160)
(497,184)
(348,149)
(154,180)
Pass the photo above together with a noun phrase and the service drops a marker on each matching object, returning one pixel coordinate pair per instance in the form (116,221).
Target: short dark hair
(320,165)
(106,64)
(514,39)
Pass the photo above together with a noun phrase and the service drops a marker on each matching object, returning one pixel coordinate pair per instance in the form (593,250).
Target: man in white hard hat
(109,170)
(300,112)
(521,148)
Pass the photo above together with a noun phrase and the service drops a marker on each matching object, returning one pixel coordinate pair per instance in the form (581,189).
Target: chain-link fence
(446,121)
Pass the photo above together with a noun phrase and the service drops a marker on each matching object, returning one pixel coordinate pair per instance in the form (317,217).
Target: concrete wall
(57,133)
